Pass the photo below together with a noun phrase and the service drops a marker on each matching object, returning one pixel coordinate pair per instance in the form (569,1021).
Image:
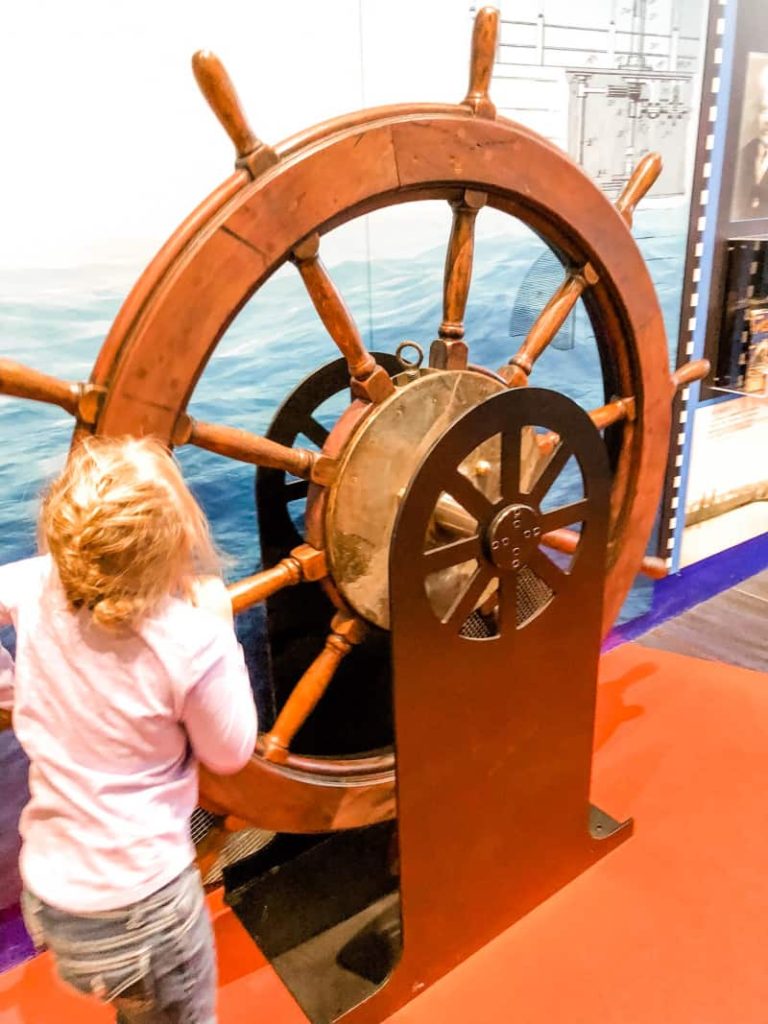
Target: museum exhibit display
(715,474)
(743,337)
(439,566)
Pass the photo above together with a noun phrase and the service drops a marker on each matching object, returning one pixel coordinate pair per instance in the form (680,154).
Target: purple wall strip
(694,584)
(15,944)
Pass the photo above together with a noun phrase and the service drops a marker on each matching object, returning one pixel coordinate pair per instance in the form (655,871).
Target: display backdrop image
(137,149)
(724,479)
(750,191)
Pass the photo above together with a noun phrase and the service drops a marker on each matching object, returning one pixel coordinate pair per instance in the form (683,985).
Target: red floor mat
(671,927)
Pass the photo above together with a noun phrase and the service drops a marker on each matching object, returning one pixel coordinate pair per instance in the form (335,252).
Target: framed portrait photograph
(750,187)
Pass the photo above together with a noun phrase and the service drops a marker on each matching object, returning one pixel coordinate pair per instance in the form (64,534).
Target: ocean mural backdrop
(57,320)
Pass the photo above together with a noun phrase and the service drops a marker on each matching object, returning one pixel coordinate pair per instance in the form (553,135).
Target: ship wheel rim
(159,347)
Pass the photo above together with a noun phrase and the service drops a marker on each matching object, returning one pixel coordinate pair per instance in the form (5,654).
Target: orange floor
(671,927)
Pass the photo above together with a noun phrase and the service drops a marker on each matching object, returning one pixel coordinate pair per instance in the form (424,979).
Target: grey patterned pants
(154,960)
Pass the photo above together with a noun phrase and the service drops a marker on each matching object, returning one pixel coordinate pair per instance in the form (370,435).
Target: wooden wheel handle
(346,631)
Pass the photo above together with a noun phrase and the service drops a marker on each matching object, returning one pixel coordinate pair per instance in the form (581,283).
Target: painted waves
(56,321)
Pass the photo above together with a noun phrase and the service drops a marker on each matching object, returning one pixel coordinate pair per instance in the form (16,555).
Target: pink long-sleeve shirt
(114,726)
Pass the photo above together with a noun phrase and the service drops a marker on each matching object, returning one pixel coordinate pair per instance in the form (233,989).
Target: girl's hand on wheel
(209,592)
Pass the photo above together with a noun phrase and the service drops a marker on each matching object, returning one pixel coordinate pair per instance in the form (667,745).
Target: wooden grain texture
(235,443)
(23,382)
(304,698)
(304,563)
(217,88)
(128,318)
(408,158)
(346,631)
(547,324)
(640,183)
(288,798)
(331,308)
(484,42)
(80,400)
(566,541)
(326,177)
(249,591)
(449,351)
(686,374)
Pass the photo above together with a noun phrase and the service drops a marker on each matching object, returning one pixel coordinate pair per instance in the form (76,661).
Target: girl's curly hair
(123,529)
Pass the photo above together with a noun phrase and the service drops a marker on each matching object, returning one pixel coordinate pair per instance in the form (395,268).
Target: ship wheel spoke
(577,280)
(686,374)
(452,554)
(346,631)
(549,474)
(613,412)
(80,400)
(468,598)
(546,570)
(605,415)
(564,516)
(641,180)
(216,86)
(468,496)
(304,564)
(485,34)
(566,541)
(510,467)
(234,443)
(449,351)
(369,380)
(550,320)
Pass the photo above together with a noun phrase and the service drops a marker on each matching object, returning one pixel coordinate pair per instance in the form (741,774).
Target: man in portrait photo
(750,194)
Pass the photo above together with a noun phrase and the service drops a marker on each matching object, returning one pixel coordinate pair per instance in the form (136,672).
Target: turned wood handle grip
(252,589)
(567,541)
(551,319)
(235,443)
(216,85)
(458,264)
(613,412)
(484,36)
(331,308)
(304,697)
(22,382)
(642,179)
(686,374)
(563,540)
(549,322)
(604,416)
(654,567)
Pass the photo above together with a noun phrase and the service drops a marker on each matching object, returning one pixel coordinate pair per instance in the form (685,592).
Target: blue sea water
(56,321)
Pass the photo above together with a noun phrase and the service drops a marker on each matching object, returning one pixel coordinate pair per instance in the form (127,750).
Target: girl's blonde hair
(123,529)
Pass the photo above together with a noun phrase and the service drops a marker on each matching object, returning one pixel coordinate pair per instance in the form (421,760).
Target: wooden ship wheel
(275,208)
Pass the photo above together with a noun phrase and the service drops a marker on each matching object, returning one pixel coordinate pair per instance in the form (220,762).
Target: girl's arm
(219,712)
(11,579)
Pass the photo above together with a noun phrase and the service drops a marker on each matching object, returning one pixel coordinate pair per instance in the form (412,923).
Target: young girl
(127,674)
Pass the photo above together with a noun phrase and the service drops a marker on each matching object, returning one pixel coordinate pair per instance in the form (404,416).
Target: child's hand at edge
(209,592)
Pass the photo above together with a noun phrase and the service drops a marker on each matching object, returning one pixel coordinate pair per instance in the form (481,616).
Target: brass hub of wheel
(377,465)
